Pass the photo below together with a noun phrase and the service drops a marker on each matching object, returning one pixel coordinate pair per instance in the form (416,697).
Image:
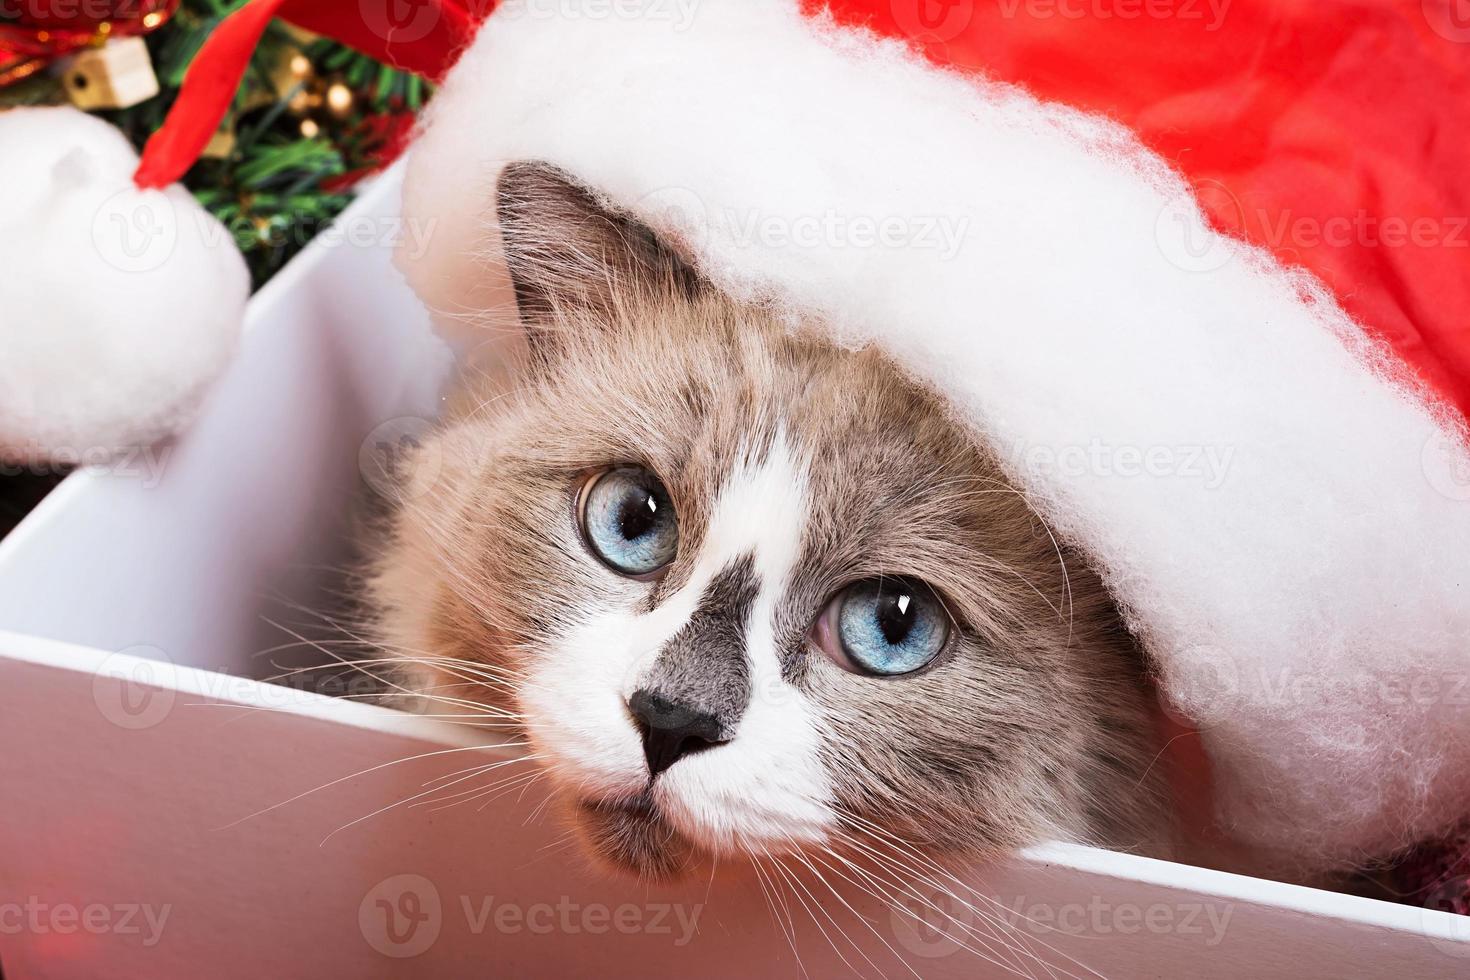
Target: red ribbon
(420,36)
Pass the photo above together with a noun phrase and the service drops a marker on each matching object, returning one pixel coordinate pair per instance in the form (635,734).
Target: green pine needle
(273,191)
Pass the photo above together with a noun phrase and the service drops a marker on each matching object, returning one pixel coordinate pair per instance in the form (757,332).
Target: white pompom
(118,306)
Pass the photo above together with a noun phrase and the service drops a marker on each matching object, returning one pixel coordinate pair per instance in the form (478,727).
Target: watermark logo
(134,688)
(1450,19)
(401,916)
(931,923)
(937,923)
(1446,464)
(1205,685)
(679,213)
(137,688)
(408,236)
(932,22)
(136,231)
(1197,231)
(399,459)
(566,917)
(1448,929)
(1184,235)
(1201,683)
(399,21)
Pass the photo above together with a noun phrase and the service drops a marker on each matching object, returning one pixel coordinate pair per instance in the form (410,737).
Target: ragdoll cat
(745,591)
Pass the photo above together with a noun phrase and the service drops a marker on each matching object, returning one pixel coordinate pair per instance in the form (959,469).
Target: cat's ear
(569,257)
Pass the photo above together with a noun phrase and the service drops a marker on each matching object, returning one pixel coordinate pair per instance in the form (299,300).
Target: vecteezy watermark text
(143,463)
(1208,465)
(679,13)
(833,229)
(403,915)
(678,921)
(139,231)
(939,924)
(36,917)
(1211,13)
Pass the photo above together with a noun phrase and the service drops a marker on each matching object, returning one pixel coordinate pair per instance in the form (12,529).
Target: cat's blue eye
(885,626)
(628,520)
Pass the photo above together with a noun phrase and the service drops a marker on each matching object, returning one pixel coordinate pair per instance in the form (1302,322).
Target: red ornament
(34,33)
(384,136)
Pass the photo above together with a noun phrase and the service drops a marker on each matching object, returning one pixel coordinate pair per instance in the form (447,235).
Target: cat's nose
(671,729)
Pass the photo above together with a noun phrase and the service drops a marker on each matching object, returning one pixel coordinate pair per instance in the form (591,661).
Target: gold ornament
(115,75)
(303,102)
(292,75)
(339,100)
(220,145)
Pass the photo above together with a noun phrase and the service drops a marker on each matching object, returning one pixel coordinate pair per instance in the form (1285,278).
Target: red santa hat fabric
(1325,131)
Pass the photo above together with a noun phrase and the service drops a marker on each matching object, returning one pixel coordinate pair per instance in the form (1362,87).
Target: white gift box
(169,814)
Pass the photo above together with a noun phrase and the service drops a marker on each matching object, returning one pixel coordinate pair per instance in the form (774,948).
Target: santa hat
(1272,494)
(1267,481)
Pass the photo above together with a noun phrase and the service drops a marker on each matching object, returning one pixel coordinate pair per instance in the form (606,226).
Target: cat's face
(746,592)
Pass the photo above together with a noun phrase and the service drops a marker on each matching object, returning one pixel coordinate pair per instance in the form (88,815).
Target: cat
(745,591)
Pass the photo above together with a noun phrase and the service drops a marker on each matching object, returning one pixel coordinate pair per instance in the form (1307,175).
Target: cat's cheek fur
(574,707)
